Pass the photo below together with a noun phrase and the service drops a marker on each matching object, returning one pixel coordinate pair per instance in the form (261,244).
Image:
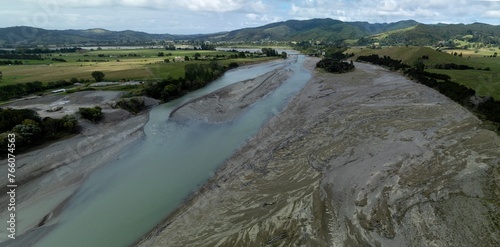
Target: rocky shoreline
(367,158)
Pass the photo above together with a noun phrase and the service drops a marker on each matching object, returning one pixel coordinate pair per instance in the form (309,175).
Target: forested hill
(314,29)
(403,32)
(433,34)
(292,30)
(30,36)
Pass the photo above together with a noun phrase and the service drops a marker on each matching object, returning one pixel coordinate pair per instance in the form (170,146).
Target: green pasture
(116,65)
(486,83)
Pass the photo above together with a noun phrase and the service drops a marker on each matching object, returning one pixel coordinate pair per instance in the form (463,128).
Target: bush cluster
(93,114)
(133,104)
(335,66)
(30,129)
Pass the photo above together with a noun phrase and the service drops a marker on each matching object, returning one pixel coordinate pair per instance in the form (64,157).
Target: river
(125,199)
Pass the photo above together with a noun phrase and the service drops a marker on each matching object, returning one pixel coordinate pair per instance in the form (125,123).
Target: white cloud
(428,11)
(493,14)
(203,16)
(214,5)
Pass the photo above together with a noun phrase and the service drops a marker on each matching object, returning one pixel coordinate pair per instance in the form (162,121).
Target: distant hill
(403,32)
(30,36)
(315,29)
(433,34)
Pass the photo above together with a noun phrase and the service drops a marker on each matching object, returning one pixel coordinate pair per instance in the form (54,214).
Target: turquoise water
(125,199)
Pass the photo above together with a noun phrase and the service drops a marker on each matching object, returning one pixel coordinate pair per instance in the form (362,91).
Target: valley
(241,138)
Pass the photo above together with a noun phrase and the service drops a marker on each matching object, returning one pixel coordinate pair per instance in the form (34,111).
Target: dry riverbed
(366,158)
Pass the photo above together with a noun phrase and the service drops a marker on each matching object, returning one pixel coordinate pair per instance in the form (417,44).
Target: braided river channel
(124,200)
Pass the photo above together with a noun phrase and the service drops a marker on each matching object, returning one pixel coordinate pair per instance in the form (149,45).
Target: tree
(92,114)
(70,123)
(419,65)
(206,46)
(12,117)
(233,65)
(28,130)
(133,104)
(98,76)
(196,56)
(169,92)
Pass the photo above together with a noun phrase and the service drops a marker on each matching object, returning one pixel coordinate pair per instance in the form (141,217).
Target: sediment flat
(47,177)
(367,158)
(228,103)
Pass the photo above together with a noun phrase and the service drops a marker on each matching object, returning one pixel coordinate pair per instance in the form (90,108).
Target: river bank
(47,177)
(65,165)
(363,158)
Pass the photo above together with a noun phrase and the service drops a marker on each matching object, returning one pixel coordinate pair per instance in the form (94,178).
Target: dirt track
(366,158)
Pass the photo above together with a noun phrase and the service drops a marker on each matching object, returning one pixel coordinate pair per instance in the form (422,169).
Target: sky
(210,16)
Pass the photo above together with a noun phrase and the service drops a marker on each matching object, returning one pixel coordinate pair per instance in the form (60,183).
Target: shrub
(93,114)
(335,66)
(29,132)
(233,65)
(133,105)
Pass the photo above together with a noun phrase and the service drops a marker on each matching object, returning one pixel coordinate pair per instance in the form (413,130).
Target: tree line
(22,89)
(9,62)
(453,66)
(41,50)
(196,75)
(385,61)
(488,107)
(21,56)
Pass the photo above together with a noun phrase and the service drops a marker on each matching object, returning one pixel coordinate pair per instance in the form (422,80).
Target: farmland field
(119,64)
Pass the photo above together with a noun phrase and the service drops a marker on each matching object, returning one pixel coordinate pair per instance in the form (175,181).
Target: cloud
(429,11)
(213,5)
(204,16)
(492,14)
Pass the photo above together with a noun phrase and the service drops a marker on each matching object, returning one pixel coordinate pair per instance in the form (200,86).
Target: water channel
(123,200)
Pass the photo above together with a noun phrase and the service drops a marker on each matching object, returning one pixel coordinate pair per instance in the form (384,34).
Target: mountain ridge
(319,29)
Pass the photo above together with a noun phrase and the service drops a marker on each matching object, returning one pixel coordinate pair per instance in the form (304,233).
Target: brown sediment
(227,103)
(363,158)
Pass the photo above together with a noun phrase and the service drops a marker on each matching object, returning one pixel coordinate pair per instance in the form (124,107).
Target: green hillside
(315,29)
(439,34)
(326,30)
(31,37)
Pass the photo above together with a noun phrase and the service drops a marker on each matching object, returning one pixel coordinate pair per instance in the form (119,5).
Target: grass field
(133,64)
(486,83)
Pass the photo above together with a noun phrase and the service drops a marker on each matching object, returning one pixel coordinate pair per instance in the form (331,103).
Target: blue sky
(209,16)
